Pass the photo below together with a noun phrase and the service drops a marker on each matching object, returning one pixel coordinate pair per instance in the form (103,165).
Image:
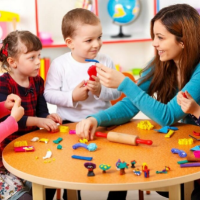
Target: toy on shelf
(123,138)
(90,166)
(121,166)
(181,153)
(104,167)
(133,162)
(82,157)
(5,17)
(146,125)
(44,67)
(92,69)
(90,147)
(45,38)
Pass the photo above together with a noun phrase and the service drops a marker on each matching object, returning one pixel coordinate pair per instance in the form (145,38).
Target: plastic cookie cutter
(92,69)
(181,153)
(90,147)
(185,141)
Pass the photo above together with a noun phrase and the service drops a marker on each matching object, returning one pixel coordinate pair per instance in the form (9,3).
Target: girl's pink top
(8,126)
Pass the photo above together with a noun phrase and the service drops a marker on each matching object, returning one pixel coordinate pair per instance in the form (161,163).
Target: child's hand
(47,124)
(80,92)
(17,110)
(55,117)
(189,105)
(180,97)
(94,86)
(86,128)
(11,99)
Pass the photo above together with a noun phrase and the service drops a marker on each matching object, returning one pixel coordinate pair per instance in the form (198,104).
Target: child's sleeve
(108,94)
(41,109)
(4,110)
(8,127)
(53,93)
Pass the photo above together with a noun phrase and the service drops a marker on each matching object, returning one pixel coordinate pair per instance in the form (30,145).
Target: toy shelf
(49,16)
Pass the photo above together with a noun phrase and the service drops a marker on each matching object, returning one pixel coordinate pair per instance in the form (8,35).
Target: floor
(102,195)
(132,195)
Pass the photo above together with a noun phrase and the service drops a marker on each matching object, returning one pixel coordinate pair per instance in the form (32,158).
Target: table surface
(65,172)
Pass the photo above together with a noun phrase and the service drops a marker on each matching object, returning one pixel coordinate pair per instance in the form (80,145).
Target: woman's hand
(55,117)
(109,77)
(86,128)
(10,101)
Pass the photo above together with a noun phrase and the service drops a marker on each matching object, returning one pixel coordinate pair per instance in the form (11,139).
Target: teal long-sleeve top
(137,99)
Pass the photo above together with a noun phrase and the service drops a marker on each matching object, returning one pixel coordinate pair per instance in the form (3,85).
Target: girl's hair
(183,21)
(75,17)
(11,46)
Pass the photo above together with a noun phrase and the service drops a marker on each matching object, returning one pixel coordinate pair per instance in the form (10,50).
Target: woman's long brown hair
(183,21)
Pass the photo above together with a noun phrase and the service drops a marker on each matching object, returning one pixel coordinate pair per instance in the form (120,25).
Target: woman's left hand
(55,117)
(109,77)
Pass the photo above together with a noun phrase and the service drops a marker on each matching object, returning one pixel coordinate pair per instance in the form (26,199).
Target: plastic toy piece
(92,69)
(195,133)
(196,148)
(133,162)
(195,164)
(104,167)
(64,129)
(137,172)
(90,166)
(185,141)
(197,154)
(45,140)
(146,172)
(144,166)
(58,140)
(20,144)
(72,132)
(169,134)
(122,166)
(48,154)
(123,138)
(90,147)
(59,147)
(35,139)
(24,149)
(82,157)
(83,141)
(181,153)
(164,171)
(146,125)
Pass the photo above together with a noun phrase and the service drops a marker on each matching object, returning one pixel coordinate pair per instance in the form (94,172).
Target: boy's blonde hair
(76,17)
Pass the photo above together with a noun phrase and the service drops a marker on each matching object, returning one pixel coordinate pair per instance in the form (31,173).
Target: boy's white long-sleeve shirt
(63,76)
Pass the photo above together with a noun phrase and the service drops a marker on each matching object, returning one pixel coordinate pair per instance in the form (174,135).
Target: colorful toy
(90,166)
(64,129)
(133,162)
(144,166)
(185,141)
(104,167)
(90,147)
(146,125)
(137,172)
(72,132)
(181,153)
(122,166)
(83,141)
(20,144)
(58,140)
(195,133)
(48,154)
(45,140)
(123,138)
(169,134)
(92,70)
(196,148)
(164,171)
(24,149)
(82,157)
(45,38)
(146,172)
(117,163)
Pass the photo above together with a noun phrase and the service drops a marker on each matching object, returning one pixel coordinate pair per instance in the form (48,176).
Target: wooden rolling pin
(123,138)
